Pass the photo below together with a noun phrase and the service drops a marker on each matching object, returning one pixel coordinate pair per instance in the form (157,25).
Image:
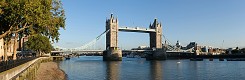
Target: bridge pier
(112,55)
(159,54)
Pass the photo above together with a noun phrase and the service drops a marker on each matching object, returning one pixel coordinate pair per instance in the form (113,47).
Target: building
(205,49)
(178,44)
(1,48)
(141,48)
(191,45)
(10,48)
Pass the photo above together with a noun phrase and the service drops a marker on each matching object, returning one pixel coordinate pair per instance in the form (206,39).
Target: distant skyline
(207,22)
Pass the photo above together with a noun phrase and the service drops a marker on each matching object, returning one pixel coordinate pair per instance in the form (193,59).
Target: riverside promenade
(31,70)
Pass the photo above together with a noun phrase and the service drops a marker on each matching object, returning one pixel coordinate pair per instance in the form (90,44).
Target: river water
(94,68)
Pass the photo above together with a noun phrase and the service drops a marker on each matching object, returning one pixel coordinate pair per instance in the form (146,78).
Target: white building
(9,48)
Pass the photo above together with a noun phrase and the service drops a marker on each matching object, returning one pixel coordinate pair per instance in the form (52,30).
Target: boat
(68,58)
(196,59)
(178,62)
(235,59)
(130,56)
(221,59)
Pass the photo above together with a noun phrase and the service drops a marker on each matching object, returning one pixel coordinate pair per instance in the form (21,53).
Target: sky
(217,23)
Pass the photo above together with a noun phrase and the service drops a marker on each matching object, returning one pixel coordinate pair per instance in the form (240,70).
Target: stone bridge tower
(112,51)
(156,37)
(156,42)
(112,35)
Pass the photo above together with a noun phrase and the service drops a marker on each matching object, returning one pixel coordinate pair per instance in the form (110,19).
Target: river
(94,68)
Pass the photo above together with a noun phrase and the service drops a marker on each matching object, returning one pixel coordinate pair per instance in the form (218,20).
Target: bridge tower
(112,53)
(156,42)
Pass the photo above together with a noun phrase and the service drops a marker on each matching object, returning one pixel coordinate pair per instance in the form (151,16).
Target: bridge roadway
(170,54)
(98,51)
(124,51)
(95,51)
(136,29)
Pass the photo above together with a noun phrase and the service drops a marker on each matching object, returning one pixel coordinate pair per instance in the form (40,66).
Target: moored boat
(221,59)
(235,59)
(196,59)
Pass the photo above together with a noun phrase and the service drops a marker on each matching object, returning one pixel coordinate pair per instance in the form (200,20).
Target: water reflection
(113,70)
(93,68)
(156,70)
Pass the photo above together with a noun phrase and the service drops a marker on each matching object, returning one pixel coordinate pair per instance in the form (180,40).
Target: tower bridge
(112,51)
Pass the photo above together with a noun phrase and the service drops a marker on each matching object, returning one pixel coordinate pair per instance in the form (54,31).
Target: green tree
(39,43)
(30,17)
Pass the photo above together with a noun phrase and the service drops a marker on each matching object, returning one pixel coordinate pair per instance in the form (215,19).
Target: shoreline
(66,76)
(50,71)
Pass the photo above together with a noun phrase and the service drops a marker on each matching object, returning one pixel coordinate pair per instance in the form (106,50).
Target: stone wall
(25,71)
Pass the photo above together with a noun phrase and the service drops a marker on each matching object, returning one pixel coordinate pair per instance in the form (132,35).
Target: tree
(39,43)
(44,17)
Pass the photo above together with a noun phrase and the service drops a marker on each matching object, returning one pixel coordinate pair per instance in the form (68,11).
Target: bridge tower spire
(112,51)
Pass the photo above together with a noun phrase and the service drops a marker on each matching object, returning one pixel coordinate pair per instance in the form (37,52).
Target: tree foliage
(35,16)
(39,43)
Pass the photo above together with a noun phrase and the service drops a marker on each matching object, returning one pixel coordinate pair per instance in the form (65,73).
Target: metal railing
(6,65)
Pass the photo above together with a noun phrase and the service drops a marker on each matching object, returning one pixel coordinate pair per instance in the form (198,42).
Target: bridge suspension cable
(93,41)
(85,46)
(168,44)
(166,39)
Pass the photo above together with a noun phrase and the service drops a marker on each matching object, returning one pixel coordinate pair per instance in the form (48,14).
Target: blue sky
(207,22)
